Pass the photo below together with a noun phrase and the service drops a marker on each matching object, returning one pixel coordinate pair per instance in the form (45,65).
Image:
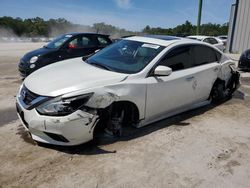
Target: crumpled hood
(68,76)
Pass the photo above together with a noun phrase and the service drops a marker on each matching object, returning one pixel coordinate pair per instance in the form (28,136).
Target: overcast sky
(129,14)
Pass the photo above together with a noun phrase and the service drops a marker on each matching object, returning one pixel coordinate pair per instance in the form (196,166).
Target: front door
(169,93)
(166,94)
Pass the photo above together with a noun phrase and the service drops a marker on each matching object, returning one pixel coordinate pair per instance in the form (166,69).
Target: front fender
(104,97)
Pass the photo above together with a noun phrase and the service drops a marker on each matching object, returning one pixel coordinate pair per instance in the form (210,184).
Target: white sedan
(136,81)
(223,39)
(211,40)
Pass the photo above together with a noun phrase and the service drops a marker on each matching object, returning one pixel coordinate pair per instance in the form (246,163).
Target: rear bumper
(74,129)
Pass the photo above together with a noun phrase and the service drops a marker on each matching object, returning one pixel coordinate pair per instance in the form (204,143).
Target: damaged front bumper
(73,129)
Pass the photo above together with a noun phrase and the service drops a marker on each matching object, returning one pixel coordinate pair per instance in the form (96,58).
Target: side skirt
(143,123)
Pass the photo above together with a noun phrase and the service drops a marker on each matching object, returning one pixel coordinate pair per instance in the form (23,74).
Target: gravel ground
(207,147)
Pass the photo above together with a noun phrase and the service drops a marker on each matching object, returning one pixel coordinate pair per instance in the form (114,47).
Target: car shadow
(129,133)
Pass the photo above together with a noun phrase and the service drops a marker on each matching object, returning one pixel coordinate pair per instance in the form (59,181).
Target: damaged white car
(136,81)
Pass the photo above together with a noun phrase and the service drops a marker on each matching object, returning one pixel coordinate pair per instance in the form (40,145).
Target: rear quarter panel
(225,72)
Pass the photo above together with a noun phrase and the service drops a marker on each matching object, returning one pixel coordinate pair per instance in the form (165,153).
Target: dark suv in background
(64,47)
(244,62)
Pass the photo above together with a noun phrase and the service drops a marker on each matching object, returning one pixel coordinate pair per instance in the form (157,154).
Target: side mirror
(162,71)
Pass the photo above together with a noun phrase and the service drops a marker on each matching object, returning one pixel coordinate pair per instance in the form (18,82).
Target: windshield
(125,56)
(58,42)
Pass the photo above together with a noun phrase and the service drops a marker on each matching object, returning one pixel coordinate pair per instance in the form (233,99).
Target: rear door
(206,69)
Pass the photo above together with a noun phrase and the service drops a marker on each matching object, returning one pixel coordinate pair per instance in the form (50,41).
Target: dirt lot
(207,147)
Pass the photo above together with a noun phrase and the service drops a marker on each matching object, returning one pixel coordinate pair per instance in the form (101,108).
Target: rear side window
(204,55)
(206,40)
(81,42)
(211,41)
(103,41)
(179,58)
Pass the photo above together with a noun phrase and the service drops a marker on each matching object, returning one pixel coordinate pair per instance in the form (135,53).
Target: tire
(118,122)
(219,93)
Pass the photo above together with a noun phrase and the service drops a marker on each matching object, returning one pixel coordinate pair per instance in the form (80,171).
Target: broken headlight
(63,106)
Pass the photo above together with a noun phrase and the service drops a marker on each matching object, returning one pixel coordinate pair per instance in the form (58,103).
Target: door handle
(190,78)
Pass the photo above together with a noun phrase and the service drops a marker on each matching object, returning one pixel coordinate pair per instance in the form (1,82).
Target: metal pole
(199,17)
(233,26)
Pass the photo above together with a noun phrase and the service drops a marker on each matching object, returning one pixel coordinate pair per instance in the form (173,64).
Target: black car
(64,47)
(244,62)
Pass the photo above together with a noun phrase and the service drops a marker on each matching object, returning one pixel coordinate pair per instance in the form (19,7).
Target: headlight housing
(34,59)
(61,107)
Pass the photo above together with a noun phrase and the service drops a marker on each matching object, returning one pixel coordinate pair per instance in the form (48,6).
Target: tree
(189,29)
(39,27)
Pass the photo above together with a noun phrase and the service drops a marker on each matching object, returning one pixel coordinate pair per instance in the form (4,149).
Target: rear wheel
(220,93)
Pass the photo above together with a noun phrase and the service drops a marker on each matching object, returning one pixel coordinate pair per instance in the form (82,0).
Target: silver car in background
(216,42)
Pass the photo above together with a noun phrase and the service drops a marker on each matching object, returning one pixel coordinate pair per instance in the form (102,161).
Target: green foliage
(188,29)
(39,27)
(111,30)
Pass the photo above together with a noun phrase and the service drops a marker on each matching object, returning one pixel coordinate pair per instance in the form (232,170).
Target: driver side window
(178,59)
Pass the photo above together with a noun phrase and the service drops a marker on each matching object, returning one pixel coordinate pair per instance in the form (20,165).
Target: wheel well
(131,110)
(216,82)
(131,113)
(219,81)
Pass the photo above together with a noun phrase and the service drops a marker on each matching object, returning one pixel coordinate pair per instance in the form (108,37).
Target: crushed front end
(55,120)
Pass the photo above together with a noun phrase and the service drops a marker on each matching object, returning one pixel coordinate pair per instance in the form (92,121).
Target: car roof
(166,42)
(74,34)
(162,40)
